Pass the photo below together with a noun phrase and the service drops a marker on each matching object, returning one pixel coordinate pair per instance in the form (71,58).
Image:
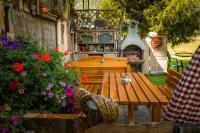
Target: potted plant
(31,76)
(44,10)
(157,41)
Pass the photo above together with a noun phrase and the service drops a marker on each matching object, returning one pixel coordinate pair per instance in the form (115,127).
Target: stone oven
(133,48)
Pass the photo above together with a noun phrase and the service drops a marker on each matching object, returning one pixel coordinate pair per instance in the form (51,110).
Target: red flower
(18,67)
(56,49)
(45,57)
(84,78)
(12,85)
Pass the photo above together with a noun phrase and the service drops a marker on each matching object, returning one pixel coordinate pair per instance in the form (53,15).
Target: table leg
(131,117)
(156,111)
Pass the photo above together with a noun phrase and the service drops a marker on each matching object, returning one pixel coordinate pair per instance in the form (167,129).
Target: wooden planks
(145,89)
(113,88)
(131,93)
(92,87)
(139,91)
(122,91)
(105,85)
(176,74)
(53,116)
(157,93)
(95,69)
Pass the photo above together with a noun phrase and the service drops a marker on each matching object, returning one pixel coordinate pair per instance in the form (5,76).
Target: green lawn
(157,79)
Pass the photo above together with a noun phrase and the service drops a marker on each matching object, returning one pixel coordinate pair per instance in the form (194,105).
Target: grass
(157,79)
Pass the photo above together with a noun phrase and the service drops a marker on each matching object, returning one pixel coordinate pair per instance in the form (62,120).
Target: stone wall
(42,30)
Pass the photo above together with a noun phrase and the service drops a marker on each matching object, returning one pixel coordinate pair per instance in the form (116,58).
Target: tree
(178,19)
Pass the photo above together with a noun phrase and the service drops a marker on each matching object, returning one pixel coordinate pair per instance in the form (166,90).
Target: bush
(34,80)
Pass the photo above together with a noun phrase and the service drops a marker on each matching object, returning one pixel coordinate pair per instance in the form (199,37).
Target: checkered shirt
(184,107)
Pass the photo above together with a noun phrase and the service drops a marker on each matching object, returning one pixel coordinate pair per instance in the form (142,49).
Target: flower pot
(157,42)
(43,10)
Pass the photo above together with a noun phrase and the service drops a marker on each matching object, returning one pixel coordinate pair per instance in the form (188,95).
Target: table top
(183,55)
(140,91)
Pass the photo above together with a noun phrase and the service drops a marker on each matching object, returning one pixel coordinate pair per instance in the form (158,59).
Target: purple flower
(12,47)
(4,39)
(77,111)
(69,92)
(20,46)
(14,121)
(71,100)
(67,86)
(50,95)
(62,83)
(21,91)
(50,85)
(69,108)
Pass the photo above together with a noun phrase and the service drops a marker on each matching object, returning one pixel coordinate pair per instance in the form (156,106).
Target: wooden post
(131,117)
(156,110)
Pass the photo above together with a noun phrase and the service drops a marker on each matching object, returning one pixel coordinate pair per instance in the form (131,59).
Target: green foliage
(130,9)
(178,19)
(39,84)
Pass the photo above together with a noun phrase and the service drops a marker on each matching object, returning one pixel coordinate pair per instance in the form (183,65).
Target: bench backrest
(106,58)
(173,78)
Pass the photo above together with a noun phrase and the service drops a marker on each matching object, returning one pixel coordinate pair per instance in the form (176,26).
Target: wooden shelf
(96,40)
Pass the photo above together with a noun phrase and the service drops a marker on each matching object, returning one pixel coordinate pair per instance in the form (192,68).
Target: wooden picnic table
(140,91)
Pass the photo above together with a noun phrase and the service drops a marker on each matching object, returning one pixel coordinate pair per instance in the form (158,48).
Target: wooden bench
(172,80)
(94,88)
(95,69)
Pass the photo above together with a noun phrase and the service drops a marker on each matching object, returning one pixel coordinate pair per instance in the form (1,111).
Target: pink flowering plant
(33,80)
